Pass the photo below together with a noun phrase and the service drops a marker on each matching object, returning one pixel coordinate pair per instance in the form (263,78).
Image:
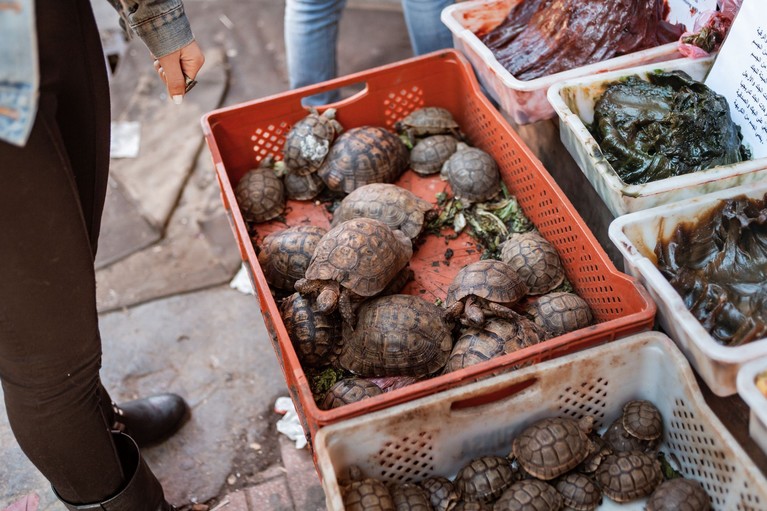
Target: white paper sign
(740,74)
(687,11)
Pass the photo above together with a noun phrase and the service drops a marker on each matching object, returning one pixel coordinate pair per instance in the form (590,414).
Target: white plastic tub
(574,102)
(747,390)
(438,434)
(524,101)
(636,236)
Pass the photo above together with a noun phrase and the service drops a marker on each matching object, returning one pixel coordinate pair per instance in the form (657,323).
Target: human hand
(174,67)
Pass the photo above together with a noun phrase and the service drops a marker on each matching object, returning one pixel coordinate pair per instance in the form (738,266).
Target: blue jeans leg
(427,33)
(311,37)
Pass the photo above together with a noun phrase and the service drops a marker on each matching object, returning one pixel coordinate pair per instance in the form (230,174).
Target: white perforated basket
(438,434)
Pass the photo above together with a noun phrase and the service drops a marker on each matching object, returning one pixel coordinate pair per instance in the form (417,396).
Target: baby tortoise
(260,193)
(535,260)
(553,446)
(429,154)
(349,390)
(561,312)
(316,337)
(393,205)
(308,141)
(362,156)
(285,254)
(626,476)
(473,175)
(529,495)
(642,419)
(356,257)
(579,492)
(484,288)
(442,494)
(621,440)
(484,479)
(409,497)
(302,187)
(398,335)
(366,494)
(679,494)
(430,120)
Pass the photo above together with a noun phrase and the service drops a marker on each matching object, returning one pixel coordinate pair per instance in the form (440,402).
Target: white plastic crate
(524,100)
(757,423)
(438,434)
(636,235)
(574,100)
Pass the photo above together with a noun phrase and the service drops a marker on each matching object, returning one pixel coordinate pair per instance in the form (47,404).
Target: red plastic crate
(241,135)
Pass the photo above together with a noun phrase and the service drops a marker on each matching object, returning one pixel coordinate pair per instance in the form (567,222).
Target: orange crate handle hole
(494,396)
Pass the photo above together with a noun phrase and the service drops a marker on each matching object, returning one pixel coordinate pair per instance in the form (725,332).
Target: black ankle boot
(141,491)
(152,419)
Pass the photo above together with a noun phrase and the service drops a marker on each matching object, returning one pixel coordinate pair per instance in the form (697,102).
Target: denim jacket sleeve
(161,24)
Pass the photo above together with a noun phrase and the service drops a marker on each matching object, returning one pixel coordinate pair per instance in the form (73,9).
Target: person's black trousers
(51,199)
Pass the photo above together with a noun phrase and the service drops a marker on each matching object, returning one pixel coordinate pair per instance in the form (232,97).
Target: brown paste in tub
(543,37)
(718,265)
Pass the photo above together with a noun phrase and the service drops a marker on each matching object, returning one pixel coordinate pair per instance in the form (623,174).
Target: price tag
(740,75)
(687,11)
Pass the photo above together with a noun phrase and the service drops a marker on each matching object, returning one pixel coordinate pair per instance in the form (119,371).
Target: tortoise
(410,497)
(442,494)
(579,492)
(464,505)
(393,205)
(368,495)
(552,446)
(356,257)
(430,120)
(429,154)
(561,312)
(315,337)
(621,440)
(600,450)
(349,390)
(397,335)
(260,193)
(362,156)
(626,476)
(302,187)
(308,141)
(642,419)
(497,337)
(529,495)
(473,175)
(679,494)
(484,288)
(484,479)
(285,254)
(535,259)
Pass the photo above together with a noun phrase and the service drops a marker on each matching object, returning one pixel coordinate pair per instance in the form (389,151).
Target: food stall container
(756,401)
(240,136)
(524,101)
(636,236)
(437,435)
(574,102)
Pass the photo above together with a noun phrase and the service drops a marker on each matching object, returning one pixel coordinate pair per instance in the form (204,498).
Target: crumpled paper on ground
(289,425)
(241,282)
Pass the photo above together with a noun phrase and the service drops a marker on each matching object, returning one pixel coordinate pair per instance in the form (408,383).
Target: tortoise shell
(429,154)
(535,260)
(642,419)
(410,497)
(430,120)
(552,446)
(679,495)
(621,440)
(302,187)
(464,505)
(529,495)
(484,479)
(626,476)
(285,254)
(561,312)
(442,494)
(579,492)
(393,205)
(490,279)
(368,495)
(473,174)
(363,255)
(397,335)
(362,156)
(315,337)
(350,390)
(260,194)
(308,141)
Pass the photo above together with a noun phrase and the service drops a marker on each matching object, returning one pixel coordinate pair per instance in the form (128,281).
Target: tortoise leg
(346,308)
(328,298)
(501,311)
(453,312)
(473,313)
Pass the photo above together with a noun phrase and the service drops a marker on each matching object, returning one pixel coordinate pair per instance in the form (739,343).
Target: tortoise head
(327,299)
